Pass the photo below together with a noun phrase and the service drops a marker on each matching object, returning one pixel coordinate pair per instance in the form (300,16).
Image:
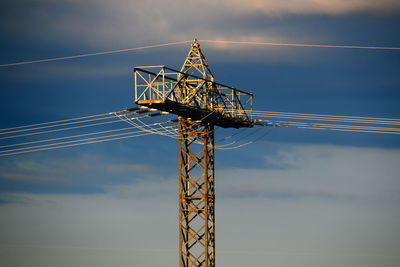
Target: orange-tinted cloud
(333,7)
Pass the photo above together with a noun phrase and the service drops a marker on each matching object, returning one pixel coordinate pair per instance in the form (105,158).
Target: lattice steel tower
(200,104)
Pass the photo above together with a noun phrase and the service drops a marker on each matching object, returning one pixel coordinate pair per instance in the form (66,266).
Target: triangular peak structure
(196,64)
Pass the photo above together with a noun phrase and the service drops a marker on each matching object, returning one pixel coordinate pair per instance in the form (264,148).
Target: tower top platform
(193,93)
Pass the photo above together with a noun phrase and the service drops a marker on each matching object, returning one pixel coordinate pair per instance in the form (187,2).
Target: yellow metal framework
(200,104)
(196,194)
(196,172)
(193,93)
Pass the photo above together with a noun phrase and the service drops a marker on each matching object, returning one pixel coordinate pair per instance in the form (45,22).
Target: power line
(77,119)
(65,142)
(238,139)
(129,121)
(268,130)
(209,41)
(92,54)
(333,120)
(66,137)
(331,117)
(171,132)
(301,45)
(339,127)
(346,130)
(68,142)
(69,137)
(77,142)
(55,125)
(70,145)
(53,122)
(350,126)
(165,132)
(58,130)
(113,120)
(329,122)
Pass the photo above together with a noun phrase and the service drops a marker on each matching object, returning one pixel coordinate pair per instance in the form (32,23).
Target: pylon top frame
(192,97)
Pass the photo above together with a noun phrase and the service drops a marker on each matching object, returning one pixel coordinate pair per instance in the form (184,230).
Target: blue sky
(295,198)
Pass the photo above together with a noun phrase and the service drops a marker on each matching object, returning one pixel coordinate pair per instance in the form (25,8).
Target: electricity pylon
(196,177)
(200,104)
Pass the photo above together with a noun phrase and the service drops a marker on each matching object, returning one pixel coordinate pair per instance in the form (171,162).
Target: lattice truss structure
(193,93)
(196,194)
(200,103)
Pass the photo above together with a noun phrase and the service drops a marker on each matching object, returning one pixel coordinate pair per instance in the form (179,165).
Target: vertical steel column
(194,94)
(196,194)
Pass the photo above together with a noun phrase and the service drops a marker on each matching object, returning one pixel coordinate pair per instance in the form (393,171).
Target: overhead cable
(208,41)
(129,121)
(76,142)
(66,137)
(55,125)
(370,120)
(53,122)
(268,130)
(71,136)
(338,127)
(75,136)
(58,130)
(92,54)
(68,142)
(239,139)
(324,115)
(300,45)
(112,118)
(72,120)
(348,126)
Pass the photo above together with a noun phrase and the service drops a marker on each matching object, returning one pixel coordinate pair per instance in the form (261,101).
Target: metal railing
(160,84)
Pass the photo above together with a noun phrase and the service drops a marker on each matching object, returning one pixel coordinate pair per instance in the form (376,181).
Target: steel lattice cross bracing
(200,103)
(192,96)
(196,194)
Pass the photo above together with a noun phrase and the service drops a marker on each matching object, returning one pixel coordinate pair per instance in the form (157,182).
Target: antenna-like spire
(196,64)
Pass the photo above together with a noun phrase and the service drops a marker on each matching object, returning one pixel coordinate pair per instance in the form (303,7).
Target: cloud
(324,172)
(121,23)
(41,171)
(89,172)
(332,7)
(309,205)
(154,188)
(129,168)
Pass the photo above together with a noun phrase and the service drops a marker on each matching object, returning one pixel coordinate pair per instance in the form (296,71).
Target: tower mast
(201,104)
(196,176)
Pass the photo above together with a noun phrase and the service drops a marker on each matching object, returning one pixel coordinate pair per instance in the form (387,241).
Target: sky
(297,197)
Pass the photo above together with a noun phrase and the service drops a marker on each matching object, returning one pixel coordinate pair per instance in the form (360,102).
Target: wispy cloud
(309,204)
(319,172)
(333,7)
(87,171)
(131,168)
(123,23)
